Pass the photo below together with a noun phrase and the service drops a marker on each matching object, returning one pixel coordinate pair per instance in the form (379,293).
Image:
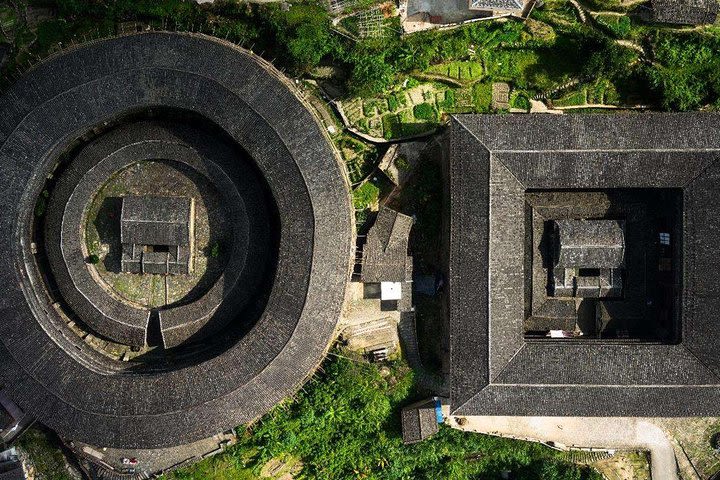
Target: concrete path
(607,433)
(630,44)
(537,106)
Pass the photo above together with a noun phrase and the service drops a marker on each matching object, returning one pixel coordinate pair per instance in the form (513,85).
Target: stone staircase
(98,472)
(587,457)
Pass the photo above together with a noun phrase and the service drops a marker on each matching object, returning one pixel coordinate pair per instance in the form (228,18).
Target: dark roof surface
(685,12)
(590,243)
(419,421)
(496,4)
(149,220)
(493,161)
(385,257)
(13,472)
(49,371)
(185,145)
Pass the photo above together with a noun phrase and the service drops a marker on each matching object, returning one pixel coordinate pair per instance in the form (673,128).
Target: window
(157,248)
(588,272)
(664,238)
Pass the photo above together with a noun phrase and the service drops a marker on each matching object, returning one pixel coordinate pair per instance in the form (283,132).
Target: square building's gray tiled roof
(496,4)
(685,12)
(493,161)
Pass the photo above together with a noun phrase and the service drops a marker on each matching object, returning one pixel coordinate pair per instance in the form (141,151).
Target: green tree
(345,425)
(605,58)
(303,32)
(685,74)
(310,42)
(371,74)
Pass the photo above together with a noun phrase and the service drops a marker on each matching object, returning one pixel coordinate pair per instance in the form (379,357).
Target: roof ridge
(712,371)
(509,170)
(702,170)
(467,129)
(502,370)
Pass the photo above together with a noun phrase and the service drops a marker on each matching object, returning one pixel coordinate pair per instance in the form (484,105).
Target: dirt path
(607,433)
(631,44)
(580,10)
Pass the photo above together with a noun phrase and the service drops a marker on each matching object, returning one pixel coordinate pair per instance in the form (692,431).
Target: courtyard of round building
(157,178)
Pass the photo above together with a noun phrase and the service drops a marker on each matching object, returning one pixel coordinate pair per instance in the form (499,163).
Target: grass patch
(446,100)
(619,26)
(8,17)
(482,97)
(218,467)
(425,111)
(48,459)
(345,424)
(404,124)
(577,97)
(366,198)
(464,71)
(393,103)
(359,157)
(511,64)
(392,126)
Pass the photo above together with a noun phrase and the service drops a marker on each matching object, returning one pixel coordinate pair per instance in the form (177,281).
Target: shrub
(482,97)
(368,108)
(371,74)
(393,103)
(40,207)
(41,204)
(93,259)
(345,425)
(365,196)
(215,250)
(685,75)
(448,102)
(520,100)
(425,111)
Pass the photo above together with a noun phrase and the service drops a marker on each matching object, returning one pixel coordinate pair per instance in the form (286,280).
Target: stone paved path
(609,433)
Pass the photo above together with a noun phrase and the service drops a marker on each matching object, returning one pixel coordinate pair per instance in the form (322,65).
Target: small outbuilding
(500,96)
(589,243)
(157,234)
(589,256)
(385,259)
(419,421)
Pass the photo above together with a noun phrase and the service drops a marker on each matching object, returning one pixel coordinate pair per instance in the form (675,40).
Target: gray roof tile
(493,160)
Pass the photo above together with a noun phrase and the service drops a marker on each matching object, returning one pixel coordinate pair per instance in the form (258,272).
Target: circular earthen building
(176,240)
